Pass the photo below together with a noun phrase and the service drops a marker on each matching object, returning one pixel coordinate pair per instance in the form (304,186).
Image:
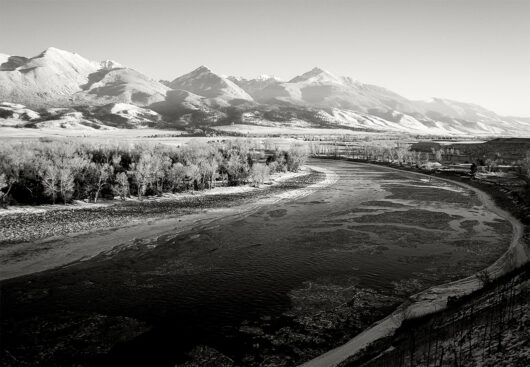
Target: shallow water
(275,287)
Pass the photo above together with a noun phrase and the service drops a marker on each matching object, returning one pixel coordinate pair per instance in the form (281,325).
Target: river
(272,287)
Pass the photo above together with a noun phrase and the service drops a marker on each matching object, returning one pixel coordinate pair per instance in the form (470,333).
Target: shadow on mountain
(13,62)
(94,78)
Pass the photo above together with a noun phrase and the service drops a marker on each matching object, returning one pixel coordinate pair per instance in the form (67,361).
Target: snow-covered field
(58,132)
(277,130)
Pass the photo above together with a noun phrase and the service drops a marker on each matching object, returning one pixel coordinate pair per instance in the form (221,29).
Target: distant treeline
(51,171)
(425,156)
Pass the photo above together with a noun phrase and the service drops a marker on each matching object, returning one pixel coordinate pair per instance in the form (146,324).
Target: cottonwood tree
(144,173)
(259,173)
(400,153)
(50,181)
(66,183)
(193,173)
(296,157)
(176,176)
(121,187)
(102,173)
(237,169)
(209,171)
(160,166)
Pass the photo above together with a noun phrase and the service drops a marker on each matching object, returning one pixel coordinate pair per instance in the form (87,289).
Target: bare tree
(102,174)
(176,175)
(66,183)
(209,169)
(259,173)
(160,165)
(193,173)
(50,181)
(237,169)
(297,156)
(122,185)
(144,173)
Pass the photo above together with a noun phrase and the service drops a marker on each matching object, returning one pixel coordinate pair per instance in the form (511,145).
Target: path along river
(274,286)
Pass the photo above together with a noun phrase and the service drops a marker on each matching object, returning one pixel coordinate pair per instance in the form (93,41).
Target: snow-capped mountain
(39,91)
(320,88)
(217,89)
(61,78)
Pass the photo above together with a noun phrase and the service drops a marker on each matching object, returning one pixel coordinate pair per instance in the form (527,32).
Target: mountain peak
(202,69)
(51,51)
(316,72)
(205,83)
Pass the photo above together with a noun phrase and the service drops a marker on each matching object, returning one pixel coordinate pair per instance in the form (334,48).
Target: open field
(282,130)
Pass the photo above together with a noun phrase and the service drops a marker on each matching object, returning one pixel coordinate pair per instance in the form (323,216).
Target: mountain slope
(120,85)
(53,76)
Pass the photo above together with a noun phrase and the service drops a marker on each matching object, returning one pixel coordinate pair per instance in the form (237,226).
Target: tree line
(62,171)
(399,153)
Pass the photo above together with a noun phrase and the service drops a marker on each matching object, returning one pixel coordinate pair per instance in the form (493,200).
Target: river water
(273,287)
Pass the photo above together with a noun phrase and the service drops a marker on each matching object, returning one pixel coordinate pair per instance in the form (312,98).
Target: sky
(468,50)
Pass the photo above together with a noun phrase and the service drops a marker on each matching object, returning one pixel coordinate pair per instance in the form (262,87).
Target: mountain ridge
(58,78)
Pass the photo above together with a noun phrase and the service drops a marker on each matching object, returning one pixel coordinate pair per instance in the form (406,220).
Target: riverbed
(275,286)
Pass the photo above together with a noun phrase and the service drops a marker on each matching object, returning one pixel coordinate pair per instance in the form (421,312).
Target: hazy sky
(469,50)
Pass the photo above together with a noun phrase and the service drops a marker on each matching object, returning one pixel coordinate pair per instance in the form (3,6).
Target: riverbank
(436,299)
(45,238)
